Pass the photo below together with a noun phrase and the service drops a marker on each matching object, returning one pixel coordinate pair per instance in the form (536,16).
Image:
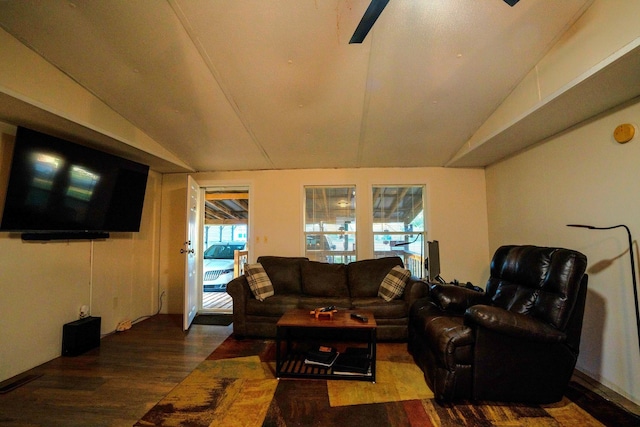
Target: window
(330,224)
(398,225)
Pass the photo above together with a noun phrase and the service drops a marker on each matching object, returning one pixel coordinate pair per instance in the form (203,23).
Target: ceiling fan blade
(368,19)
(511,2)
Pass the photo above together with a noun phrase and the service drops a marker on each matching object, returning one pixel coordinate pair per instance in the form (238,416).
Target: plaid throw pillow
(259,282)
(393,284)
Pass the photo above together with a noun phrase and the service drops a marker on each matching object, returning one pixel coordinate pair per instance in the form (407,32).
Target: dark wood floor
(118,383)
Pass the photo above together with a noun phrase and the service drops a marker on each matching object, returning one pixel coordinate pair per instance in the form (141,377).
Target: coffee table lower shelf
(293,366)
(296,329)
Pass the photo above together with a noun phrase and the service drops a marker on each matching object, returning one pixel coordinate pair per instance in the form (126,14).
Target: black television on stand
(56,189)
(433,262)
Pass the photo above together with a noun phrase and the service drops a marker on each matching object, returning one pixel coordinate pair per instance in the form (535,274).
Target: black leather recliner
(517,341)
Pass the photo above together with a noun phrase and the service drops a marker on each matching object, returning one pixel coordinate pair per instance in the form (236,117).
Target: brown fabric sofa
(300,283)
(517,342)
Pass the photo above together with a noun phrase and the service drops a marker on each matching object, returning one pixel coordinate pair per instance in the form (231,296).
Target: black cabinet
(80,336)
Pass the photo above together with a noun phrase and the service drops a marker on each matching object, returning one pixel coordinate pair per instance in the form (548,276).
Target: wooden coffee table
(298,326)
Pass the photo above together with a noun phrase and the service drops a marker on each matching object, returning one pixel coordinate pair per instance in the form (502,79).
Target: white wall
(585,177)
(607,27)
(172,236)
(580,176)
(43,285)
(26,76)
(456,216)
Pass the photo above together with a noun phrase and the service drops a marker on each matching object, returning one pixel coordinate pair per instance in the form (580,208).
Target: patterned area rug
(236,386)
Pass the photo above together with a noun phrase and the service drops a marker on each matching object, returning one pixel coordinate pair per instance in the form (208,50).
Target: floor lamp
(421,252)
(633,267)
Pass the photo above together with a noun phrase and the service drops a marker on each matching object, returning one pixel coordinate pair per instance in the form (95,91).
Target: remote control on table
(330,308)
(359,317)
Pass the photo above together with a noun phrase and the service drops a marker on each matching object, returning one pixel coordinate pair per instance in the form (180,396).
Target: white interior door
(190,250)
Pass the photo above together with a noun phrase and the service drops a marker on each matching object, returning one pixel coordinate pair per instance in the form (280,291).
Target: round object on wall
(624,133)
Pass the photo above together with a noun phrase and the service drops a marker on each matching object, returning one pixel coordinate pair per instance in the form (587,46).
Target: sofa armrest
(455,299)
(239,290)
(513,324)
(414,290)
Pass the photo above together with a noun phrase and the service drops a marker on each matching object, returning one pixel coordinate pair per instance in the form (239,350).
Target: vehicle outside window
(218,265)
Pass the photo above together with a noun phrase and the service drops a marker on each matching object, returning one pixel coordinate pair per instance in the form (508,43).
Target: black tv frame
(121,172)
(64,235)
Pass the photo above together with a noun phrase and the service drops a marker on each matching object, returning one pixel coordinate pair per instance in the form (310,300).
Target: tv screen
(57,186)
(433,261)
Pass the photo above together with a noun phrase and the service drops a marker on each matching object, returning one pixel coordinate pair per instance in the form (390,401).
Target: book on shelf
(321,356)
(339,372)
(352,363)
(363,352)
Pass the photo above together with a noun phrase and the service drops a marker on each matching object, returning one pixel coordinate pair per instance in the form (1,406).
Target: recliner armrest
(513,324)
(455,299)
(415,290)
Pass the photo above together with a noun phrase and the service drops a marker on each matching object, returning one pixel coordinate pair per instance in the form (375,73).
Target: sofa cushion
(537,281)
(365,276)
(311,303)
(396,309)
(321,279)
(259,281)
(284,273)
(277,305)
(393,284)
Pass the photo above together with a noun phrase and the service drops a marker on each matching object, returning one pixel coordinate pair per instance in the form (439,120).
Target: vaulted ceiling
(248,84)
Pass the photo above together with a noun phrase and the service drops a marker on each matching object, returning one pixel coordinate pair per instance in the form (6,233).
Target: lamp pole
(633,267)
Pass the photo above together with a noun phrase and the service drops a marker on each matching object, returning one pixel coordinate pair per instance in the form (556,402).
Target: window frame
(407,242)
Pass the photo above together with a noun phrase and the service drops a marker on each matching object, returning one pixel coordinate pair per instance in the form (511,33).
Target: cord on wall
(126,324)
(90,277)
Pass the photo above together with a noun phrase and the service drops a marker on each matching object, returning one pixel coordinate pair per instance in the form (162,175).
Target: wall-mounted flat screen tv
(54,185)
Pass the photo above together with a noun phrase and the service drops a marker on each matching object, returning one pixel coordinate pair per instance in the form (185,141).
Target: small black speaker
(80,336)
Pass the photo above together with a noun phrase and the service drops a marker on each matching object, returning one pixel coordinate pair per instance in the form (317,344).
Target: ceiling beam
(225,221)
(226,196)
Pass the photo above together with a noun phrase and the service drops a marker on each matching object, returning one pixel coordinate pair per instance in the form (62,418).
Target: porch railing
(240,258)
(413,263)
